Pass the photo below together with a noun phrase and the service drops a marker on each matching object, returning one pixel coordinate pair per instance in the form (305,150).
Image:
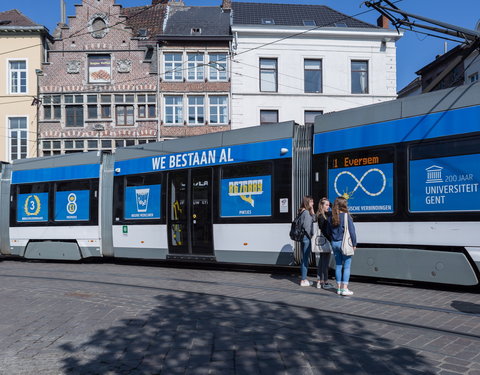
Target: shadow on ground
(192,333)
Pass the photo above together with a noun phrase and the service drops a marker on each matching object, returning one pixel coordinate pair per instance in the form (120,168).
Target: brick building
(99,84)
(195,70)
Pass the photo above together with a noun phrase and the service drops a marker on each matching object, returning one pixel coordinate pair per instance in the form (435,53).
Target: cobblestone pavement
(67,318)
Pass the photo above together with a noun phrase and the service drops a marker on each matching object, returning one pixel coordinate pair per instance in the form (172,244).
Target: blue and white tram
(410,169)
(54,207)
(225,197)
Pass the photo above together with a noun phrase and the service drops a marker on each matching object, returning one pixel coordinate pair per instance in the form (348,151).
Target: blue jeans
(341,261)
(306,248)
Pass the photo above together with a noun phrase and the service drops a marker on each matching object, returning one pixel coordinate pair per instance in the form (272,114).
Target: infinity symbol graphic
(359,182)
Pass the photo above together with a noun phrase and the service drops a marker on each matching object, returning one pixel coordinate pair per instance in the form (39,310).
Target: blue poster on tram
(365,179)
(246,196)
(142,202)
(32,207)
(445,184)
(72,205)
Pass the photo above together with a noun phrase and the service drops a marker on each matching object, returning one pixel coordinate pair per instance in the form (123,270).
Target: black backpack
(296,230)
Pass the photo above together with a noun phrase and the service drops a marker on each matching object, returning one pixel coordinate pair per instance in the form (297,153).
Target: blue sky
(413,50)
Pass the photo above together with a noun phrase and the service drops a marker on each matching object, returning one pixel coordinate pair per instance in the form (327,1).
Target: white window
(196,66)
(17,74)
(173,67)
(218,109)
(196,110)
(268,75)
(359,77)
(18,137)
(173,109)
(473,77)
(217,63)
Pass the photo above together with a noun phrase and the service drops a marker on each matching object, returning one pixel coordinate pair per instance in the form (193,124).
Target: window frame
(366,90)
(172,69)
(21,71)
(19,138)
(264,70)
(320,72)
(218,112)
(269,112)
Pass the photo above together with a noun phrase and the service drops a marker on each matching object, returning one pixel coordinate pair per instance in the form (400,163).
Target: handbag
(347,246)
(320,244)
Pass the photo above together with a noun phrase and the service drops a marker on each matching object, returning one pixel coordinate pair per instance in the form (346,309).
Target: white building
(293,62)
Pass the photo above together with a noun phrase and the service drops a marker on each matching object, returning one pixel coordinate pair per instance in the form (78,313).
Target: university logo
(434,174)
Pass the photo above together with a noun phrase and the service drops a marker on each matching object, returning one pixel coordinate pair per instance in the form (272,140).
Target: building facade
(99,84)
(22,50)
(194,50)
(294,62)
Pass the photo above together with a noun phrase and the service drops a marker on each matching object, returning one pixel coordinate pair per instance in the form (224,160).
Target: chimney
(155,2)
(383,22)
(226,4)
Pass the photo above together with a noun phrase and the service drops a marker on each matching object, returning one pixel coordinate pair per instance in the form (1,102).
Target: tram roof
(254,134)
(418,105)
(80,158)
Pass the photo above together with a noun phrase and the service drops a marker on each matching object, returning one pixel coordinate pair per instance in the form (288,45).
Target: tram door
(189,220)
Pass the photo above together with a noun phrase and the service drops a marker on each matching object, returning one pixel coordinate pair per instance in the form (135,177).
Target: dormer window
(196,31)
(142,33)
(309,23)
(340,24)
(268,21)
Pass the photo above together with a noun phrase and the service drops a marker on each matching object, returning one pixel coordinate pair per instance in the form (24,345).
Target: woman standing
(342,262)
(325,227)
(307,218)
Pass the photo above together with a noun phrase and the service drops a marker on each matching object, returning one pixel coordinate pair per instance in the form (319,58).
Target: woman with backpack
(339,219)
(307,218)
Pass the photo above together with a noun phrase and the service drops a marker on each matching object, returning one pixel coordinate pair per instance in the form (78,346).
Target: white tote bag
(347,246)
(320,244)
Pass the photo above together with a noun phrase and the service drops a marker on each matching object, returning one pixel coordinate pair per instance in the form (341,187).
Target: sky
(414,50)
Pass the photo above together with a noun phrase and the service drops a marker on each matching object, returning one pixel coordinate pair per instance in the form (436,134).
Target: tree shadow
(194,333)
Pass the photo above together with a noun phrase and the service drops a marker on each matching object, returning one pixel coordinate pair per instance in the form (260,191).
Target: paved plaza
(91,318)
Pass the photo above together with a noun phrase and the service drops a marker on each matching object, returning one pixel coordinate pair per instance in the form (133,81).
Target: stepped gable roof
(205,20)
(293,15)
(14,17)
(148,18)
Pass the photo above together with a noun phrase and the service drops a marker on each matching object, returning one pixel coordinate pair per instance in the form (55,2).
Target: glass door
(189,220)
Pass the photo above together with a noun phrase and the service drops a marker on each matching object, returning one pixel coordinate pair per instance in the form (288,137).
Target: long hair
(320,211)
(305,205)
(339,206)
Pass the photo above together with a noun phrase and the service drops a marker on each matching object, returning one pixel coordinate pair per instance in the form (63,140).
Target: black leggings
(322,271)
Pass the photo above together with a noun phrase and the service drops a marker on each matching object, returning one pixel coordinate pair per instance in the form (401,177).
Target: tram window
(246,191)
(444,176)
(445,148)
(32,203)
(72,201)
(365,178)
(142,197)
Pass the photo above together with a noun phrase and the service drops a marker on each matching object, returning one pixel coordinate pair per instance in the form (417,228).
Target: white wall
(335,48)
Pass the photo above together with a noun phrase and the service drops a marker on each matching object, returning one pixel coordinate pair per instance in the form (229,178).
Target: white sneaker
(306,283)
(347,292)
(319,285)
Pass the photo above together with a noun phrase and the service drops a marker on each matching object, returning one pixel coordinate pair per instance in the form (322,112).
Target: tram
(408,167)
